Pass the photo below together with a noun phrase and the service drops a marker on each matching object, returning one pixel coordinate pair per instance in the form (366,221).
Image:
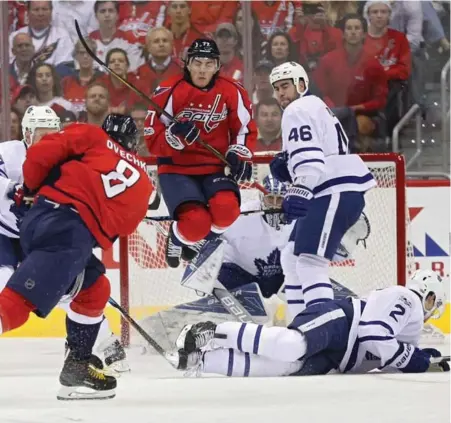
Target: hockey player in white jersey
(37,122)
(350,335)
(326,197)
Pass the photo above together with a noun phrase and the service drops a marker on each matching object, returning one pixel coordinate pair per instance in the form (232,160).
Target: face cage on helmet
(32,132)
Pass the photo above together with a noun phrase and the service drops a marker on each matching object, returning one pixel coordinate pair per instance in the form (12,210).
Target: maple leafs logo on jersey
(271,266)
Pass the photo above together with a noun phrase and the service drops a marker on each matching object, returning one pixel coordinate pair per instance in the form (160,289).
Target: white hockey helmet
(38,117)
(425,283)
(290,70)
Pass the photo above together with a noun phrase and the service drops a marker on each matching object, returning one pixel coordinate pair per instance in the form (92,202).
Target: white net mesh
(153,286)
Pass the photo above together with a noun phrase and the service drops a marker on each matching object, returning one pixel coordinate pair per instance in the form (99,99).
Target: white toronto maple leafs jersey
(12,156)
(386,333)
(254,245)
(317,149)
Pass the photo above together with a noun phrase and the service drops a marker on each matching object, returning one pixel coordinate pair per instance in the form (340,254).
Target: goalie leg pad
(224,209)
(233,363)
(193,223)
(276,343)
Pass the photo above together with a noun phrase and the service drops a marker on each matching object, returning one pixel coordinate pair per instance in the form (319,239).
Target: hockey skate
(80,380)
(114,356)
(173,250)
(195,337)
(189,252)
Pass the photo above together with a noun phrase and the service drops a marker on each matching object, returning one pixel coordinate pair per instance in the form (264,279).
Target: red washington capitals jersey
(81,166)
(222,114)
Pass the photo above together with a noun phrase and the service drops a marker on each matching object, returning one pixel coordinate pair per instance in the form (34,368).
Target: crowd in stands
(364,58)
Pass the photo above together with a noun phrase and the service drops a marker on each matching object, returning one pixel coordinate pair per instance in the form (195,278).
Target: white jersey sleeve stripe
(307,161)
(244,117)
(304,150)
(12,231)
(379,323)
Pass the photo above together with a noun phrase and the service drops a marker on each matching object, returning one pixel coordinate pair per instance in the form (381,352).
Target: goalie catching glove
(180,134)
(240,168)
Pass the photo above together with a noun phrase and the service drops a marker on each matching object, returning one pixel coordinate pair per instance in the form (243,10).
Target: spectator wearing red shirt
(75,86)
(390,46)
(138,17)
(392,49)
(181,27)
(263,89)
(268,119)
(226,38)
(17,15)
(122,98)
(258,39)
(273,16)
(280,49)
(46,83)
(349,76)
(160,64)
(207,15)
(313,35)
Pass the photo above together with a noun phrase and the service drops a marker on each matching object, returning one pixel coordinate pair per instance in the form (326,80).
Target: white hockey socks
(276,343)
(230,362)
(313,275)
(293,287)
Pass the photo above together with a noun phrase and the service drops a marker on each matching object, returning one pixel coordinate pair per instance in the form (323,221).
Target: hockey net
(148,285)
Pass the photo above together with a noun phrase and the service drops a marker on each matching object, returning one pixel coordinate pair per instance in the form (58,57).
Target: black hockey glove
(20,195)
(279,167)
(240,167)
(180,134)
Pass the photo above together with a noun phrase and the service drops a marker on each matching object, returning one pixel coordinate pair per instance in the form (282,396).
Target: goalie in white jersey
(349,335)
(37,122)
(326,197)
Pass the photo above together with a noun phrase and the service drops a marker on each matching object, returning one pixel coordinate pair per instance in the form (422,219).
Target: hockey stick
(171,118)
(245,213)
(155,345)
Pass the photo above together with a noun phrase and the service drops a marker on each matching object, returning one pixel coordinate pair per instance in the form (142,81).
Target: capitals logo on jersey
(210,116)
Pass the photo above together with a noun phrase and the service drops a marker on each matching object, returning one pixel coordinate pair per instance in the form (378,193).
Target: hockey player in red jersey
(203,200)
(89,188)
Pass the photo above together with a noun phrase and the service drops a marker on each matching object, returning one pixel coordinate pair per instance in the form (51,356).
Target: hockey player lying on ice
(37,122)
(350,335)
(89,188)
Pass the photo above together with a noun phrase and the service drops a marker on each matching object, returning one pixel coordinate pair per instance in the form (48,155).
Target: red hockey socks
(14,310)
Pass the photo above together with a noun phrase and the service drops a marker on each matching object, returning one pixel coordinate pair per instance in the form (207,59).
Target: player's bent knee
(287,258)
(312,261)
(224,209)
(193,221)
(14,310)
(88,306)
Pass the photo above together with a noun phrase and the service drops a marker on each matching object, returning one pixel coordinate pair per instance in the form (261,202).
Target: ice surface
(153,393)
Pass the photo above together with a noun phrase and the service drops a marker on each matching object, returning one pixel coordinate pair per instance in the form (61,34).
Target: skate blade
(180,342)
(77,393)
(118,367)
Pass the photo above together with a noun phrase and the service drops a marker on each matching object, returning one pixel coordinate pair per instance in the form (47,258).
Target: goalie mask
(428,285)
(276,190)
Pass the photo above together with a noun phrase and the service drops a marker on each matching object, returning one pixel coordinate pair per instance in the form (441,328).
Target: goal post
(148,285)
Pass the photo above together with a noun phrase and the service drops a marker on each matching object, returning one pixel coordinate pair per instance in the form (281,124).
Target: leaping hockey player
(201,198)
(37,122)
(89,188)
(328,186)
(349,335)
